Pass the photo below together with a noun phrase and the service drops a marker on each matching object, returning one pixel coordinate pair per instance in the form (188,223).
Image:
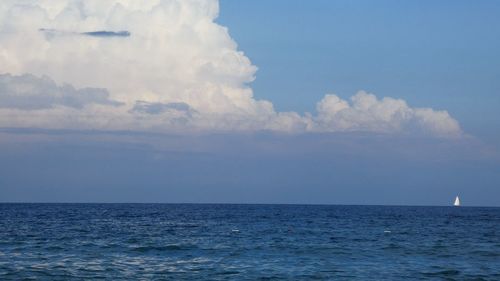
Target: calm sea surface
(247,242)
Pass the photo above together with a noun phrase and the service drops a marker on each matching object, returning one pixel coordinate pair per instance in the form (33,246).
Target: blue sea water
(247,242)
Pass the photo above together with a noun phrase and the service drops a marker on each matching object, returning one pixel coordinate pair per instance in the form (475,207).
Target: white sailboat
(457,202)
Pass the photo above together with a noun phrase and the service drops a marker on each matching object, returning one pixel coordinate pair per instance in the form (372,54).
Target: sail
(457,202)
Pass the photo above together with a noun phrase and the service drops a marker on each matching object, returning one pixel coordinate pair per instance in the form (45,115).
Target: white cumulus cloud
(159,65)
(367,113)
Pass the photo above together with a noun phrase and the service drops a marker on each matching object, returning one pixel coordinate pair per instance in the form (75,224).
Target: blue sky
(442,54)
(172,113)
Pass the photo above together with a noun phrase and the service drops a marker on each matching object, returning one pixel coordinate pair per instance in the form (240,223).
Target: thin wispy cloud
(104,33)
(51,33)
(159,108)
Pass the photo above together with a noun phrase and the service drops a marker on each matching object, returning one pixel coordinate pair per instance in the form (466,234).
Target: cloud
(28,92)
(51,33)
(122,166)
(175,61)
(367,113)
(104,33)
(158,107)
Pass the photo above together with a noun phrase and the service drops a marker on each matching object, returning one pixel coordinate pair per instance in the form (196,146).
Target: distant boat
(457,202)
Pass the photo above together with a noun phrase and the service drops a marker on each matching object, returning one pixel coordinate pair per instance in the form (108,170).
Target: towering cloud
(157,65)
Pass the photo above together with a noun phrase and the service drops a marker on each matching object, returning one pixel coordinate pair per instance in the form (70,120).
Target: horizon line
(229,203)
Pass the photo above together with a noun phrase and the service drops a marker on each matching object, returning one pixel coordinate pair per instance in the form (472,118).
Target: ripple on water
(188,242)
(162,248)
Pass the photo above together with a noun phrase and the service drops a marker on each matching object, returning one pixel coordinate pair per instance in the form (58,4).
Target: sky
(317,102)
(441,54)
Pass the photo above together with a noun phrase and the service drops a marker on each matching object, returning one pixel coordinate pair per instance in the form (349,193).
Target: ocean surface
(247,242)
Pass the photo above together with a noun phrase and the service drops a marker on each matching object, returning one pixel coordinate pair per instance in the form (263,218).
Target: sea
(247,242)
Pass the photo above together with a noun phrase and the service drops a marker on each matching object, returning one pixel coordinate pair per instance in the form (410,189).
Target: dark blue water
(247,242)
